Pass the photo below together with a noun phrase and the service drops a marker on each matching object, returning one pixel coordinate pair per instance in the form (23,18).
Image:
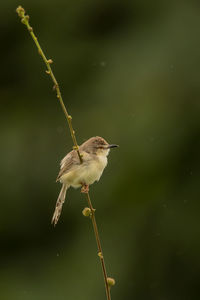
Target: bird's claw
(85,188)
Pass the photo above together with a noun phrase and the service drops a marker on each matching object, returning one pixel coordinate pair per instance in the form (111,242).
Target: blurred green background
(129,71)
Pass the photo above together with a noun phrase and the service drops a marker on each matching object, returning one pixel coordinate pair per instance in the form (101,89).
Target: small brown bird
(94,153)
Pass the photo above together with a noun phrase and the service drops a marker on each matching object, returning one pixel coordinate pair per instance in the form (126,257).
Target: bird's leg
(85,188)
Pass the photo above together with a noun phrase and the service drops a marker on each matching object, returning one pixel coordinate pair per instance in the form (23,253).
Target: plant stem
(100,252)
(25,20)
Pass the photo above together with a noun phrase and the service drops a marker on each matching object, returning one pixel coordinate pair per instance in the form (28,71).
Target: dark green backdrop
(129,71)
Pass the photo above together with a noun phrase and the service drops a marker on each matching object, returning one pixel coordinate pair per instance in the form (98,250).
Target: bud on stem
(87,212)
(110,281)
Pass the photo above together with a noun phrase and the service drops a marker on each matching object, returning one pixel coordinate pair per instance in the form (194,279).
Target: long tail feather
(59,204)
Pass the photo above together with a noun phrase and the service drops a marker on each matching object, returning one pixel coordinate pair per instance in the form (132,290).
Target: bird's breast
(88,172)
(93,170)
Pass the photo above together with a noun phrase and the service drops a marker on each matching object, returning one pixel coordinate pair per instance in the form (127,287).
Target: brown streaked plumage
(94,153)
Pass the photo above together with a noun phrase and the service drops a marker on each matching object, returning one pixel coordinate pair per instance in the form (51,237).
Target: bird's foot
(85,188)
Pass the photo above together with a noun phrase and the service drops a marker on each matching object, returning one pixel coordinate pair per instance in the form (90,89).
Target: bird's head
(97,145)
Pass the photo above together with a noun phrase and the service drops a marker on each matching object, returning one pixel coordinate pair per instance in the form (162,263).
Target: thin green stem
(25,20)
(100,252)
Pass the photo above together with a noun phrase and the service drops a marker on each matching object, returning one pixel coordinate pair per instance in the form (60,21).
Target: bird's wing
(68,162)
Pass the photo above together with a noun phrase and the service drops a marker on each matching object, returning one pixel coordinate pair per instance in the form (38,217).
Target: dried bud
(86,212)
(100,255)
(20,11)
(110,281)
(50,61)
(47,71)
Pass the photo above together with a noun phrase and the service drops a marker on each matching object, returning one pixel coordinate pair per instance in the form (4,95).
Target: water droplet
(171,68)
(59,129)
(103,64)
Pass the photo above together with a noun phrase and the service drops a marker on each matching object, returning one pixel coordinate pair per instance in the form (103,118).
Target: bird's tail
(59,204)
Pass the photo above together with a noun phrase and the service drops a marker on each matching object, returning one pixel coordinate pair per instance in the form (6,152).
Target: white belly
(87,173)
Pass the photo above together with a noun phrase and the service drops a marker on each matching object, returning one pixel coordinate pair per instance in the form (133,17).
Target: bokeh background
(129,71)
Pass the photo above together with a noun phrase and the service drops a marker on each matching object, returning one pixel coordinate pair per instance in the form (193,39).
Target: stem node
(100,255)
(111,281)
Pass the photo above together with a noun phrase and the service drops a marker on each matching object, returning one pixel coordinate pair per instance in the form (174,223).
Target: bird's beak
(112,146)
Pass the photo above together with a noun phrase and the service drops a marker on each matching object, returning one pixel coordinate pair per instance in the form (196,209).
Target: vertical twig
(100,252)
(25,20)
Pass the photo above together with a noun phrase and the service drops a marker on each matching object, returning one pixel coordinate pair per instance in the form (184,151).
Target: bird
(75,174)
